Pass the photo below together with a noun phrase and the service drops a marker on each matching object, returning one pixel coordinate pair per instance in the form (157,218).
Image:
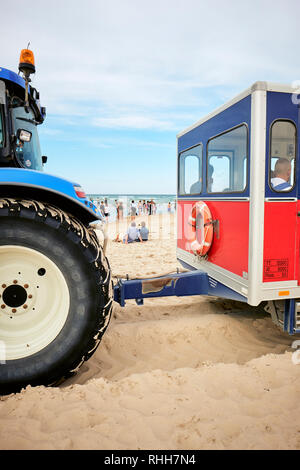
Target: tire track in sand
(169,334)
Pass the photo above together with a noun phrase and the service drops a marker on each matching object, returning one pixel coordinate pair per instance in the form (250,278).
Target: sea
(161,201)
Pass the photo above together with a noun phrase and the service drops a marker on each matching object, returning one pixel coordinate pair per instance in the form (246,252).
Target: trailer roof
(263,86)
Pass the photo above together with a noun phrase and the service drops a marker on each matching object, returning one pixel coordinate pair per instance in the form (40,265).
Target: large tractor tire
(55,294)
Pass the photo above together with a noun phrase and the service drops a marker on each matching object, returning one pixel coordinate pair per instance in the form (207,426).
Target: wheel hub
(34,300)
(16,298)
(14,295)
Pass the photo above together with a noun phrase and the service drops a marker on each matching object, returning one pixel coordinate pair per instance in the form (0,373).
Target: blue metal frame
(237,114)
(289,317)
(176,284)
(281,106)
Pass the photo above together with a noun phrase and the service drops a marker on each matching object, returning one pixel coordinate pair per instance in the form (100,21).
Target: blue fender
(31,184)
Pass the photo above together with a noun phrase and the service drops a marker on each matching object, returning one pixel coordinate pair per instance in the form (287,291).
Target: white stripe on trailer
(257,195)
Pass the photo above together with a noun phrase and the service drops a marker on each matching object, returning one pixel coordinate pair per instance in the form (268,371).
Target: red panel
(230,249)
(280,241)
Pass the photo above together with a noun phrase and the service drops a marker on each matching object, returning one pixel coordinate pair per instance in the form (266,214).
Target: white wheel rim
(34,302)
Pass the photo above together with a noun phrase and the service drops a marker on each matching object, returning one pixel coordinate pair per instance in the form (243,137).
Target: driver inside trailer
(282,175)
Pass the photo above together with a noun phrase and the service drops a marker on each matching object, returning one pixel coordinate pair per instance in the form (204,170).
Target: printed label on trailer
(276,268)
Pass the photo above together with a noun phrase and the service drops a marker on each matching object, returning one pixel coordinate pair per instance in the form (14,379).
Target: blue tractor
(55,281)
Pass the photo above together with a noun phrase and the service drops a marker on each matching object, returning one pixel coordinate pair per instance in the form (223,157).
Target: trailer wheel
(55,294)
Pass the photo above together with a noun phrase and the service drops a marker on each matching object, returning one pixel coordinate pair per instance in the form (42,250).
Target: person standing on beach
(140,208)
(151,207)
(154,206)
(117,209)
(132,211)
(102,208)
(106,210)
(121,210)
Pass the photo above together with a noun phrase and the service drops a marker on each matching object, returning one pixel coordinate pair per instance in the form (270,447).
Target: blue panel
(45,181)
(236,114)
(291,325)
(12,77)
(280,106)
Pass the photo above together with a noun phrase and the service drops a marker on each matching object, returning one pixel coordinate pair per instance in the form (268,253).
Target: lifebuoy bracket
(215,223)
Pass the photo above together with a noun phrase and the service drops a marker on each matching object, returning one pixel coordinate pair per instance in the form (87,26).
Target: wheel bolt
(2,306)
(26,286)
(3,285)
(14,310)
(30,296)
(15,281)
(25,306)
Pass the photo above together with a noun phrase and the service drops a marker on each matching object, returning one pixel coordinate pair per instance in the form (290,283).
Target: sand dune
(176,373)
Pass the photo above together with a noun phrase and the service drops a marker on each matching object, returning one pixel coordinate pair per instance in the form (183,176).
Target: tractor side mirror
(23,135)
(44,159)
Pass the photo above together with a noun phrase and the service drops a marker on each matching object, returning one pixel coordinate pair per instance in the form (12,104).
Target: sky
(121,78)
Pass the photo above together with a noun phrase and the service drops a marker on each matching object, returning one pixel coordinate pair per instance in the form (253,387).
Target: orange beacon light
(26,63)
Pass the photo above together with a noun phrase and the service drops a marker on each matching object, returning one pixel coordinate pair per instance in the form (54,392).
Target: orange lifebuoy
(202,229)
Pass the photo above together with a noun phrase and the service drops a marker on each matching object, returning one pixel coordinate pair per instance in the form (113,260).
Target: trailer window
(190,171)
(282,155)
(227,161)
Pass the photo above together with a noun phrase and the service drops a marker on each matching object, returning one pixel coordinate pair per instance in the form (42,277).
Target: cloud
(149,55)
(133,122)
(107,69)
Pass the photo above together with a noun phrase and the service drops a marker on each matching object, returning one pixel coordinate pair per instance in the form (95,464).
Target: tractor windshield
(27,153)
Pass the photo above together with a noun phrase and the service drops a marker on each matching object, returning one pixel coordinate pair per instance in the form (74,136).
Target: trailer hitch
(175,284)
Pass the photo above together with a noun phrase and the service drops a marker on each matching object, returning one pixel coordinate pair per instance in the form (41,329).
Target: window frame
(199,144)
(246,157)
(270,156)
(2,118)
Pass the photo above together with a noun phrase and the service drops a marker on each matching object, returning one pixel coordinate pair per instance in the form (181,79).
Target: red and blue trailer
(238,210)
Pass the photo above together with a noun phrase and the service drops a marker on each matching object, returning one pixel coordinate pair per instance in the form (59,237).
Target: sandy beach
(176,373)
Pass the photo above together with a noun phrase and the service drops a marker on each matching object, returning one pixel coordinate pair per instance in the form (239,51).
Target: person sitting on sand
(144,232)
(132,234)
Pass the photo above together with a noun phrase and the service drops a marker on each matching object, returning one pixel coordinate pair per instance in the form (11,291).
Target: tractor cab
(240,164)
(20,114)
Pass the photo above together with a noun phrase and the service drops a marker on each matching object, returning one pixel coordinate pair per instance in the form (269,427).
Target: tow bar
(175,284)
